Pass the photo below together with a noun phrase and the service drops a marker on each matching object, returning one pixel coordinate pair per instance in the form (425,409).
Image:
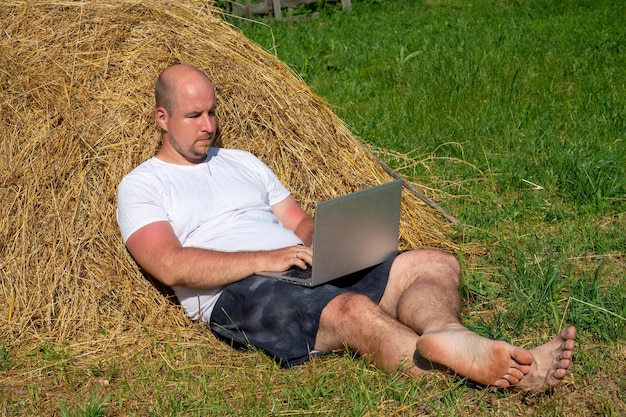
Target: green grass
(514,111)
(95,407)
(6,361)
(521,91)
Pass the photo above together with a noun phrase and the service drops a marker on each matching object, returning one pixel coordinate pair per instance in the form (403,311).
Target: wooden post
(278,15)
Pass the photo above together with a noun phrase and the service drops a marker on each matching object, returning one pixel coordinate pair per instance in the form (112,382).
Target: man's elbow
(169,273)
(161,268)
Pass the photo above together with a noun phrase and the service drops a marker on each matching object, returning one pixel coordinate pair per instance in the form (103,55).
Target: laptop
(351,233)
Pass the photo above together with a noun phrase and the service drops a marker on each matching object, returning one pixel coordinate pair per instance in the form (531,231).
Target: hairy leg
(423,290)
(354,321)
(423,294)
(373,329)
(417,321)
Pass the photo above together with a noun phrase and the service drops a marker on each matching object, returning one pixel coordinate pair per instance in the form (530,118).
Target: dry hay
(76,97)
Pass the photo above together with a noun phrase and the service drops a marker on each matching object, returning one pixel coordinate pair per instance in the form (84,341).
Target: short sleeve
(138,204)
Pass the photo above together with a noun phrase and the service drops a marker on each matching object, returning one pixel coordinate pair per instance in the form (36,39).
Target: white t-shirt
(221,204)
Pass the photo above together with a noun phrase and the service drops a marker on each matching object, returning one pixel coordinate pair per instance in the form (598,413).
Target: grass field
(515,113)
(512,114)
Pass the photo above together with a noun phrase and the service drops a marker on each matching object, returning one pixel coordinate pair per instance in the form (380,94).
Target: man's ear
(161,116)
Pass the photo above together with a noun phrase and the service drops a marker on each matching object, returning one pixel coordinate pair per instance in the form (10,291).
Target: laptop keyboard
(299,273)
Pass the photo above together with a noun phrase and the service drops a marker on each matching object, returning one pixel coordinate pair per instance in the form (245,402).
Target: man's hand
(283,259)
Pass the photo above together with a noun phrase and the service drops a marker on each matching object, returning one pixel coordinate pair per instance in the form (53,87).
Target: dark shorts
(282,318)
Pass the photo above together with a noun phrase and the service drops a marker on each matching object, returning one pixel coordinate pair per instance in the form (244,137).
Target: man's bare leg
(423,294)
(419,315)
(387,334)
(355,321)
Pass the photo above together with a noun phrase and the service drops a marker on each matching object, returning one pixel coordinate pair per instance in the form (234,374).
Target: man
(203,220)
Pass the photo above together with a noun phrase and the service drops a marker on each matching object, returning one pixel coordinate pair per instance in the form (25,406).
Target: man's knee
(348,306)
(439,263)
(348,311)
(340,318)
(452,265)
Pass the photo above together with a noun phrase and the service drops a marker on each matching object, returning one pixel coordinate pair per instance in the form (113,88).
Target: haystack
(76,103)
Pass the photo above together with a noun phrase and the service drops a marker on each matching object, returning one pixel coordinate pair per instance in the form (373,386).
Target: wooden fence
(265,7)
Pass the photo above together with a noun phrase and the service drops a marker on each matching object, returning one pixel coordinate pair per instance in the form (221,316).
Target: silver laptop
(352,232)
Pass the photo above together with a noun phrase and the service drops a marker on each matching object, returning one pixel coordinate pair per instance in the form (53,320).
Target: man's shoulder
(231,153)
(144,167)
(236,156)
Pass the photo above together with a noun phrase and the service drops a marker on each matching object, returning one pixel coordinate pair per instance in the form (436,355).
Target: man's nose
(209,122)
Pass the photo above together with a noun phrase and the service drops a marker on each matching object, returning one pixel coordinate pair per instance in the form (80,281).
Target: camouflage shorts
(281,318)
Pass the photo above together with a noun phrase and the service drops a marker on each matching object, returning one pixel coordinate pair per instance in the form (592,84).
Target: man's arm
(293,217)
(157,249)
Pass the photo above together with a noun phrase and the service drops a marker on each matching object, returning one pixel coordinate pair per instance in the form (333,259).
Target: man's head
(185,100)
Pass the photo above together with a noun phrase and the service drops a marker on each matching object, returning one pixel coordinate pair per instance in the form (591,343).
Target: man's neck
(175,158)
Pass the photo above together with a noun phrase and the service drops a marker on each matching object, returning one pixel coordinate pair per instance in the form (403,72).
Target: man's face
(189,128)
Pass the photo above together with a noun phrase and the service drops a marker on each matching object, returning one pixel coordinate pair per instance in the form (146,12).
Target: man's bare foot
(482,360)
(497,363)
(551,362)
